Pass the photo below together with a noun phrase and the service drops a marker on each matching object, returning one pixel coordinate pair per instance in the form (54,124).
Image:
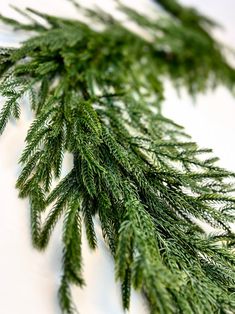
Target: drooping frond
(97,95)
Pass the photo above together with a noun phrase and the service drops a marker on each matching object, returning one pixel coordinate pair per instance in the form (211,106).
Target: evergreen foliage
(97,94)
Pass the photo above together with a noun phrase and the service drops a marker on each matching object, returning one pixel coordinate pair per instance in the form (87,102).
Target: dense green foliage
(97,95)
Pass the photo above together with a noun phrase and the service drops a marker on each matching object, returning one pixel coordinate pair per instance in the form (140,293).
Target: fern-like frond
(97,94)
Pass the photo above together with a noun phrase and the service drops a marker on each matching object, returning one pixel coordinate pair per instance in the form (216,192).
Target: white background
(29,279)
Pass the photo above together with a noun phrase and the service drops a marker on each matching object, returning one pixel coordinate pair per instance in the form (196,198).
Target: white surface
(29,279)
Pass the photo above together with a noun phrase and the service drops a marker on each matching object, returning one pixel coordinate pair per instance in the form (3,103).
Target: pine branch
(97,95)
